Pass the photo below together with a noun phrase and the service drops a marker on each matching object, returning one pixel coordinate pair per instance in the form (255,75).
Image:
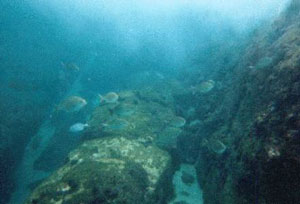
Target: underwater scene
(149,102)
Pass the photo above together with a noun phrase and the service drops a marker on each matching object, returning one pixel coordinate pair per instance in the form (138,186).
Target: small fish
(264,63)
(78,127)
(217,146)
(72,104)
(124,110)
(70,66)
(159,75)
(116,124)
(206,86)
(195,123)
(110,97)
(178,122)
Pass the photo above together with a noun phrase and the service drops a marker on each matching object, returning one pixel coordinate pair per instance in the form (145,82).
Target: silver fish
(116,124)
(110,97)
(78,127)
(124,110)
(177,121)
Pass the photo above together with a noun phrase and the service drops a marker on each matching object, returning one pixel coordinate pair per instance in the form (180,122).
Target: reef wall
(255,112)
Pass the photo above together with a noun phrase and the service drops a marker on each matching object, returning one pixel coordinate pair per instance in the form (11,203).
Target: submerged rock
(137,116)
(118,162)
(187,190)
(257,116)
(187,178)
(110,170)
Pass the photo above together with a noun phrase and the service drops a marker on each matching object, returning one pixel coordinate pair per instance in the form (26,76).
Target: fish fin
(76,67)
(101,98)
(63,64)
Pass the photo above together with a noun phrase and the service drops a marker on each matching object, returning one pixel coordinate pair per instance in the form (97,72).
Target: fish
(217,146)
(124,110)
(110,97)
(195,123)
(70,66)
(264,63)
(72,104)
(116,124)
(206,86)
(78,127)
(159,75)
(177,121)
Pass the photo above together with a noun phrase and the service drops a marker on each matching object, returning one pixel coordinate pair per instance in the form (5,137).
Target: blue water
(117,45)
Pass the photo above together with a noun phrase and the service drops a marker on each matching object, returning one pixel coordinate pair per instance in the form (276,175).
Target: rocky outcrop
(109,170)
(145,115)
(242,133)
(255,113)
(118,161)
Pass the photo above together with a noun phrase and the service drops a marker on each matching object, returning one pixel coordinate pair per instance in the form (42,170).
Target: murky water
(143,101)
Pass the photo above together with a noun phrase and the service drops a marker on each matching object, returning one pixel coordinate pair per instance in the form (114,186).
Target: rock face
(258,120)
(109,170)
(118,161)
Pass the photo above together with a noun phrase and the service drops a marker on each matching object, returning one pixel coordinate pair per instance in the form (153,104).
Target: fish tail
(63,64)
(101,98)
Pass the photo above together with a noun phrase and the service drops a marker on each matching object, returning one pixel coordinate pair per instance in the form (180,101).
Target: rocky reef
(145,115)
(121,158)
(238,125)
(255,114)
(109,170)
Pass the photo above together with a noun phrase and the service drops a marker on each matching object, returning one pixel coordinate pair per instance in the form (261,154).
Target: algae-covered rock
(109,170)
(258,120)
(144,115)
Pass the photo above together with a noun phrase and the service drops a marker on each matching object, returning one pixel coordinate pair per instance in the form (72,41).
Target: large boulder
(109,170)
